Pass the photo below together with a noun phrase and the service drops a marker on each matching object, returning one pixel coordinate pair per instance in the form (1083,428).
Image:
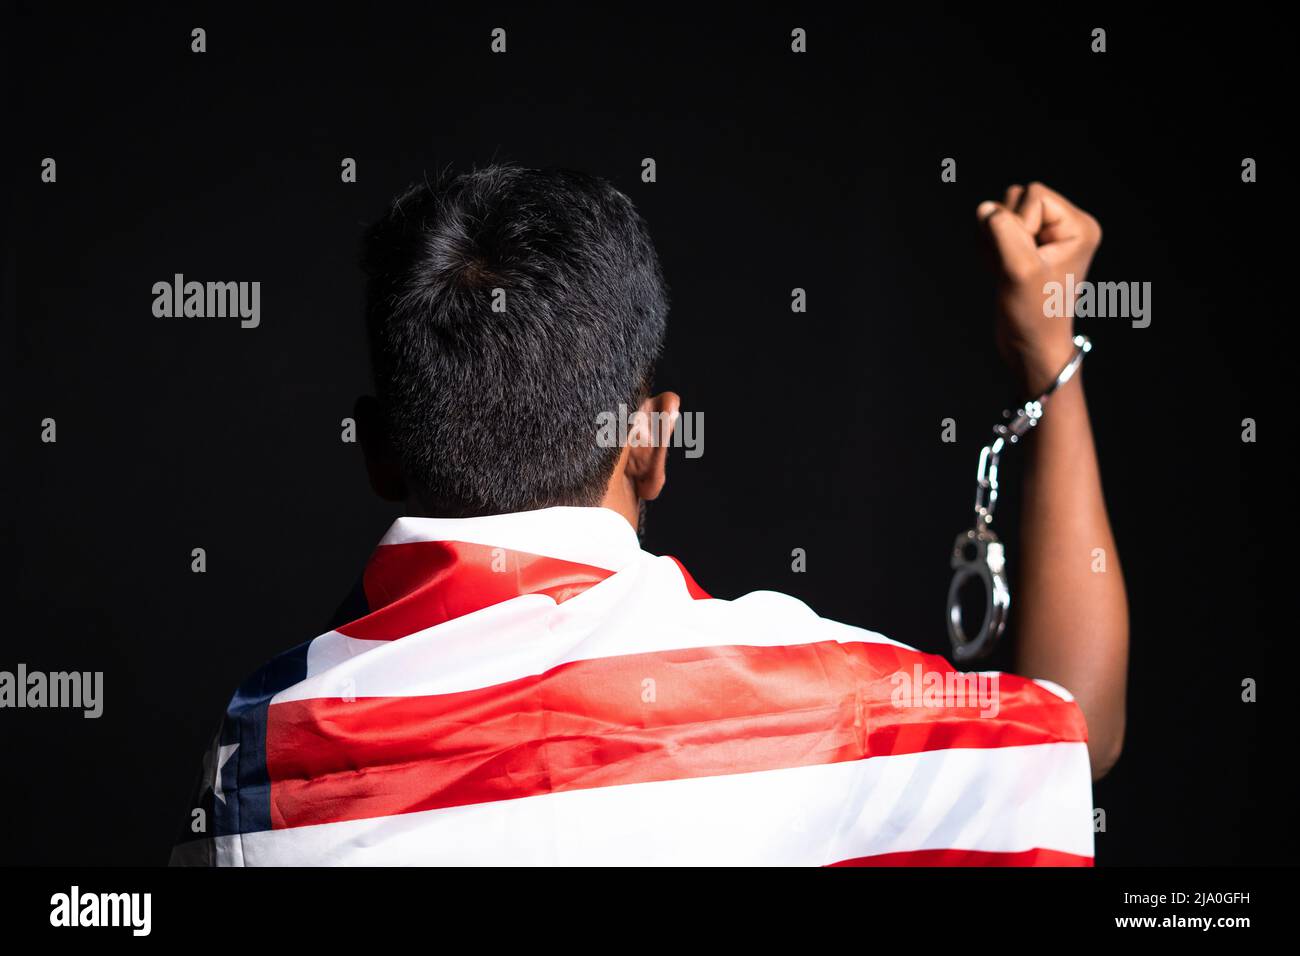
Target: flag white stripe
(593,536)
(643,610)
(1007,799)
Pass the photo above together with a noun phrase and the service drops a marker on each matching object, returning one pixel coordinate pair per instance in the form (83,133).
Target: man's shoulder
(779,618)
(665,595)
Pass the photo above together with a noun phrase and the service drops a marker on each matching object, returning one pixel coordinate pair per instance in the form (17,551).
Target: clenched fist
(1037,236)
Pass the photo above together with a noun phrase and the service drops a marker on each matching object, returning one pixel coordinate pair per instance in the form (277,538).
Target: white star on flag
(222,754)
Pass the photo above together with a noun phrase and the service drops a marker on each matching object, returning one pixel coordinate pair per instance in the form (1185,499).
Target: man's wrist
(1038,368)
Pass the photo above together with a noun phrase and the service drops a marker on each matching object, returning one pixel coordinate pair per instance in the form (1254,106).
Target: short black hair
(498,411)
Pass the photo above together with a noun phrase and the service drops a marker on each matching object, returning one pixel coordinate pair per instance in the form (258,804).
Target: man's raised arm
(1072,612)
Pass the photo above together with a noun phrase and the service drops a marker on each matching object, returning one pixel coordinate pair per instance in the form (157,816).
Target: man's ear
(381,460)
(647,452)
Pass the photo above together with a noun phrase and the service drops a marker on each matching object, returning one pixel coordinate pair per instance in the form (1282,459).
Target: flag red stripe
(419,584)
(1035,857)
(634,718)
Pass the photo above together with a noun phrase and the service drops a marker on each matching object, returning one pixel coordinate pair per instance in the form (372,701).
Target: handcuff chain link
(988,560)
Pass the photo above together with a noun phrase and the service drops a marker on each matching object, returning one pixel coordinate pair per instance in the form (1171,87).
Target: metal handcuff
(978,552)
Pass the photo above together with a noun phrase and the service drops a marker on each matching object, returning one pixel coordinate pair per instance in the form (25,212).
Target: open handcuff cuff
(978,552)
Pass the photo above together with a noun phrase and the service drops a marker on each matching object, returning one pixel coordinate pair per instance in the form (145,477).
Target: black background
(775,170)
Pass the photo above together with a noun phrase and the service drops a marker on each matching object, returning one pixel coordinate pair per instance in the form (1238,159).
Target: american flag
(534,689)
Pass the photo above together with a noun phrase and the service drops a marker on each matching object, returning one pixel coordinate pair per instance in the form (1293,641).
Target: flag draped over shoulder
(533,689)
